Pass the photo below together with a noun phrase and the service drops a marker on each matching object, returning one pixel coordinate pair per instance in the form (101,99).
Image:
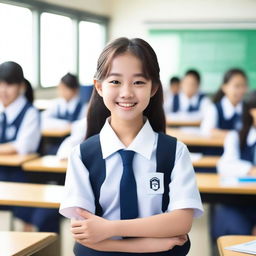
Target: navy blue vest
(227,124)
(70,116)
(247,153)
(191,108)
(91,156)
(16,124)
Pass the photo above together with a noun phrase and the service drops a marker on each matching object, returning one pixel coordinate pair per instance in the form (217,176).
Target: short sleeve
(184,192)
(77,190)
(209,120)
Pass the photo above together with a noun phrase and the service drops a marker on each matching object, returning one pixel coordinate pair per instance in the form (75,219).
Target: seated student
(225,113)
(190,102)
(18,124)
(78,131)
(171,96)
(239,159)
(67,108)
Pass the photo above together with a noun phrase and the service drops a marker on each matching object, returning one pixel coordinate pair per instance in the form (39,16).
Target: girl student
(129,179)
(67,108)
(238,160)
(19,122)
(189,102)
(225,113)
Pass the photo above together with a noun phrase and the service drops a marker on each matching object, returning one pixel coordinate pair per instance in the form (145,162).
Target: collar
(14,108)
(69,105)
(193,100)
(251,138)
(143,143)
(228,109)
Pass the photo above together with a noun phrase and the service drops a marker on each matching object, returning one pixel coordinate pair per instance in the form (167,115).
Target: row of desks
(49,196)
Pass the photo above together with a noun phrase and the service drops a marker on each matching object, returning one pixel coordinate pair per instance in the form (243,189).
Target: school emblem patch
(154,183)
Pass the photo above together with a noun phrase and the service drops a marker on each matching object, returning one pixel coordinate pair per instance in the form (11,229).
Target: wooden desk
(15,159)
(225,241)
(46,164)
(212,190)
(191,139)
(56,133)
(205,162)
(34,195)
(175,123)
(28,243)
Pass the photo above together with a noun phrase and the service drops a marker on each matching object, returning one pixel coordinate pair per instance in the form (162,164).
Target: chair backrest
(85,93)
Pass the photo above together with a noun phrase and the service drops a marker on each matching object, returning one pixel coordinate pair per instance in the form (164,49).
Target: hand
(92,229)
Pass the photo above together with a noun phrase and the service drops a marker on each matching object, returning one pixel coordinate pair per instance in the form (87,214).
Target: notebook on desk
(248,247)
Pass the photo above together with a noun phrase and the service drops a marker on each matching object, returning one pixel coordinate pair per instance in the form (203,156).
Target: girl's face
(189,86)
(235,89)
(126,91)
(10,92)
(66,92)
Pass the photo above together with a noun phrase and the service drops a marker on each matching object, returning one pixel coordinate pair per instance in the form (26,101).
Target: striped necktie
(128,188)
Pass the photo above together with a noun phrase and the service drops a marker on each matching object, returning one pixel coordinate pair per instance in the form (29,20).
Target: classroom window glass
(16,37)
(91,43)
(57,48)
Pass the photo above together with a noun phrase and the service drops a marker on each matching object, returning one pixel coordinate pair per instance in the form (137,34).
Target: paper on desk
(248,247)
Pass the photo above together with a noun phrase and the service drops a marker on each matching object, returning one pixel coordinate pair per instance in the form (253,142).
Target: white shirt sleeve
(29,134)
(230,163)
(209,121)
(78,192)
(78,132)
(83,112)
(183,188)
(48,120)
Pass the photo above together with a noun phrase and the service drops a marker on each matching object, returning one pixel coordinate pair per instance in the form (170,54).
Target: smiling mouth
(126,105)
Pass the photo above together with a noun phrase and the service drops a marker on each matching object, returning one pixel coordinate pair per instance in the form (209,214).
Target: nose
(126,91)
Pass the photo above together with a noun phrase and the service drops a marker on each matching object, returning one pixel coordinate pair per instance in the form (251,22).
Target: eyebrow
(135,75)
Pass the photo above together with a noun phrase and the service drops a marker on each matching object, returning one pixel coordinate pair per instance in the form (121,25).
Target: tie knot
(127,156)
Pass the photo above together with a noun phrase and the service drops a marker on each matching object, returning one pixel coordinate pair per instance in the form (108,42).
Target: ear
(22,88)
(98,86)
(154,90)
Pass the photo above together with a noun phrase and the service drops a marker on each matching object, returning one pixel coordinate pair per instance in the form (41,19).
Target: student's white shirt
(184,103)
(78,131)
(78,192)
(210,119)
(49,121)
(230,163)
(28,137)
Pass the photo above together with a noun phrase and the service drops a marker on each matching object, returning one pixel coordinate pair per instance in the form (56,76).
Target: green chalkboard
(211,52)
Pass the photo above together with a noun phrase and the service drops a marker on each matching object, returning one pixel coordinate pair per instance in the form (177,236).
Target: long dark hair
(12,73)
(247,118)
(98,112)
(227,77)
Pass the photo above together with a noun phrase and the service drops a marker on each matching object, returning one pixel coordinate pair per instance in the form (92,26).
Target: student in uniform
(18,124)
(67,108)
(129,179)
(238,160)
(190,102)
(225,113)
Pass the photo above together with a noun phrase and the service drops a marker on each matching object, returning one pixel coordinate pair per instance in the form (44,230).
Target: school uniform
(180,107)
(222,115)
(104,199)
(236,162)
(62,113)
(18,124)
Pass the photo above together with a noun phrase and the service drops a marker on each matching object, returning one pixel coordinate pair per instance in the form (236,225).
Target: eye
(139,83)
(115,82)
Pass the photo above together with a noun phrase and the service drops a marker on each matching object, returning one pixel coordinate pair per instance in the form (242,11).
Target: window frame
(37,8)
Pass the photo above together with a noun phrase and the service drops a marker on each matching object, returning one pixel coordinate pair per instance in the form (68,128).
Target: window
(16,38)
(91,43)
(57,52)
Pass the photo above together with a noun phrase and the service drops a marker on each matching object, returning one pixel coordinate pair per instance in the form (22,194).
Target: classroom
(118,117)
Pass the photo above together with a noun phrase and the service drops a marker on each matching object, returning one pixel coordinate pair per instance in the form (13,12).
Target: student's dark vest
(191,108)
(16,124)
(91,156)
(70,116)
(226,124)
(247,153)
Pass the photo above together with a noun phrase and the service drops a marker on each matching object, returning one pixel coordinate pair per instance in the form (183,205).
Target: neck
(126,130)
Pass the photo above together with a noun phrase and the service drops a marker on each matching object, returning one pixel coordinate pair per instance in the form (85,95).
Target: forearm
(175,223)
(7,149)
